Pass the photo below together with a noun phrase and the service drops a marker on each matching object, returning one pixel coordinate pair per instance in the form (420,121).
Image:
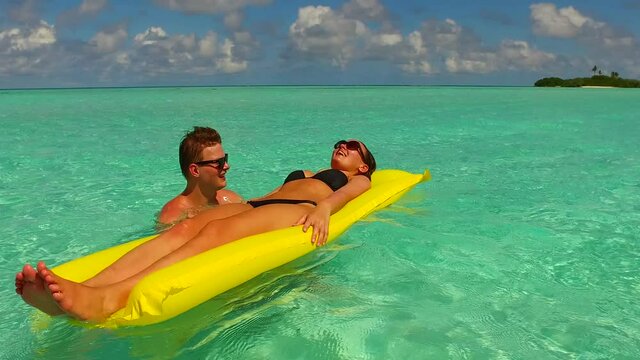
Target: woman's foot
(77,300)
(30,286)
(19,282)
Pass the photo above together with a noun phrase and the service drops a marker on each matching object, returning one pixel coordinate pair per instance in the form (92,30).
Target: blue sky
(78,43)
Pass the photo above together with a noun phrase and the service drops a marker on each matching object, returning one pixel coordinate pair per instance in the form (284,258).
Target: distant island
(613,80)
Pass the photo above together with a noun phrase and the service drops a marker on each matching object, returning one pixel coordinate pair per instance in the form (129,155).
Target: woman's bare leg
(146,254)
(88,303)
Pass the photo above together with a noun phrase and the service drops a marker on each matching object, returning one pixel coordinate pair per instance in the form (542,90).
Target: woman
(304,199)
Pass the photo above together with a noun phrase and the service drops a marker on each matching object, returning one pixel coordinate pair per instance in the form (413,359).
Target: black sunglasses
(217,163)
(350,145)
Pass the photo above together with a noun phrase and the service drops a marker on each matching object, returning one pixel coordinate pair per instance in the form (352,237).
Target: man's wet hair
(193,143)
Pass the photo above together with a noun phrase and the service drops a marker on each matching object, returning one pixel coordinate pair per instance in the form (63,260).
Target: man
(204,165)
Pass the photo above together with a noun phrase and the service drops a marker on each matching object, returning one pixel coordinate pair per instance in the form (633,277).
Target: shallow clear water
(525,244)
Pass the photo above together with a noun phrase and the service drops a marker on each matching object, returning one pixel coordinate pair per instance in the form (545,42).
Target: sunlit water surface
(526,243)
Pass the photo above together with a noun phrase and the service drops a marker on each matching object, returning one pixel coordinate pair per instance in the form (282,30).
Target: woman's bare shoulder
(360,181)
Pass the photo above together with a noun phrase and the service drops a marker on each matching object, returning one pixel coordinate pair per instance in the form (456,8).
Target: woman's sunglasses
(350,145)
(217,163)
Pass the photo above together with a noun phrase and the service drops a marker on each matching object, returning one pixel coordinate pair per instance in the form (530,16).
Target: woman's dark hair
(369,160)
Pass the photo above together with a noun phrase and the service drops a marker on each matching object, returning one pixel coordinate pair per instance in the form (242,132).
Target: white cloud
(364,10)
(108,55)
(107,41)
(481,63)
(87,10)
(417,67)
(91,6)
(605,45)
(386,39)
(448,36)
(464,52)
(26,50)
(123,59)
(417,45)
(25,39)
(357,32)
(232,9)
(227,63)
(566,22)
(444,45)
(209,6)
(519,55)
(208,44)
(416,55)
(612,42)
(233,19)
(340,37)
(320,31)
(156,52)
(150,36)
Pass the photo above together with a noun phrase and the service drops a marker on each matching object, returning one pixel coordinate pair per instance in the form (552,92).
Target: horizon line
(251,85)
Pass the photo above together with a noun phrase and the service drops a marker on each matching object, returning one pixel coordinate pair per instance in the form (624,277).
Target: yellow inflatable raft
(182,286)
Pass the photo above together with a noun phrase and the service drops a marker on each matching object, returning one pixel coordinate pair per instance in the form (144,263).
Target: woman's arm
(318,219)
(336,201)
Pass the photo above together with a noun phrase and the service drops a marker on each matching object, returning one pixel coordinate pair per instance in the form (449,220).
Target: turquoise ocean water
(525,245)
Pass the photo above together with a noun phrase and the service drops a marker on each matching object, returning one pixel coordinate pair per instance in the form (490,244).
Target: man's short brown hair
(193,143)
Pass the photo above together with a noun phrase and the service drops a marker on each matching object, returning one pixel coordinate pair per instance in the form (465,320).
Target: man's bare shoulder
(173,210)
(225,196)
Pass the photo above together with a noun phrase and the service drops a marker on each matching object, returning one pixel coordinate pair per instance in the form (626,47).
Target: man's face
(211,174)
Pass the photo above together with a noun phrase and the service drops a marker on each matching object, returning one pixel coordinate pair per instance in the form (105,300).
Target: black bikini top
(334,178)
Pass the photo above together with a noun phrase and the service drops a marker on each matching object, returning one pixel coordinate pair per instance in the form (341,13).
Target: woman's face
(348,155)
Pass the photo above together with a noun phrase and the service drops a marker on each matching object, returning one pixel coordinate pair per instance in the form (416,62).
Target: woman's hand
(318,219)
